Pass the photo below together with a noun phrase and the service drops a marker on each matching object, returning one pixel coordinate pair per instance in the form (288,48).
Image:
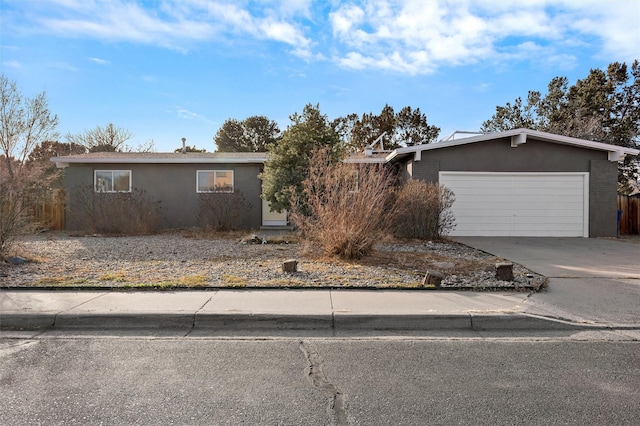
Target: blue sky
(167,69)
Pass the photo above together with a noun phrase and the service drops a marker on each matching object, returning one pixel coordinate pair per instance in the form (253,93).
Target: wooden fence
(47,209)
(630,217)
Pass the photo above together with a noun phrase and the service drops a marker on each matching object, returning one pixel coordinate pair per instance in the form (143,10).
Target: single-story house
(514,183)
(177,180)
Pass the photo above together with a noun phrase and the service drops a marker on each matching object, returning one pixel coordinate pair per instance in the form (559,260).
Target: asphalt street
(64,379)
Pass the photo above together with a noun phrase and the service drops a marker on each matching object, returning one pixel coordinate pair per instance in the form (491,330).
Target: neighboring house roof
(518,137)
(361,157)
(161,158)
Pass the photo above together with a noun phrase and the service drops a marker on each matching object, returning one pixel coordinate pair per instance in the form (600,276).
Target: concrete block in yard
(433,278)
(504,271)
(290,265)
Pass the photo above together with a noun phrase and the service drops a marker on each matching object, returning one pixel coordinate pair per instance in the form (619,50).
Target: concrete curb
(521,321)
(27,321)
(214,321)
(99,321)
(402,322)
(278,322)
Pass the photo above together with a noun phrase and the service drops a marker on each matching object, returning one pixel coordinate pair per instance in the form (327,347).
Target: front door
(272,218)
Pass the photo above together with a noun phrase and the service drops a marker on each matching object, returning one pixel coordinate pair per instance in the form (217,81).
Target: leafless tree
(102,139)
(24,124)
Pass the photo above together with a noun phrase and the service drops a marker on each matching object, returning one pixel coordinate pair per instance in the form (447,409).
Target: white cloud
(12,63)
(418,36)
(190,115)
(177,24)
(100,61)
(406,36)
(616,24)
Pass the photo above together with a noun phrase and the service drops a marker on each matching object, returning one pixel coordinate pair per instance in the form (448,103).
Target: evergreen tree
(288,162)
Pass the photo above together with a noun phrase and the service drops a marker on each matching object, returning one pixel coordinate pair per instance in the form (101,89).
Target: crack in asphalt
(337,399)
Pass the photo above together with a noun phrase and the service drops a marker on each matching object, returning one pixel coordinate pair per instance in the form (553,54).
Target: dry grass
(119,277)
(193,280)
(234,281)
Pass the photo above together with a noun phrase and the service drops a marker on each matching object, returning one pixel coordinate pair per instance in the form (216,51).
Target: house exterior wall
(172,184)
(603,198)
(533,156)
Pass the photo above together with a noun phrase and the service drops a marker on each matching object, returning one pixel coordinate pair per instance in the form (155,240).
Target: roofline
(62,162)
(365,160)
(519,136)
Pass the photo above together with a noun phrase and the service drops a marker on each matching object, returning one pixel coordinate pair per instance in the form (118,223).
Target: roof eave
(615,153)
(62,162)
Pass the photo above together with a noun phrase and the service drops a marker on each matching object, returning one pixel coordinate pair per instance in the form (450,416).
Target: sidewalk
(330,311)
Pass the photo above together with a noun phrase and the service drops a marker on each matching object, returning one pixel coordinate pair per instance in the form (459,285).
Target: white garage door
(519,204)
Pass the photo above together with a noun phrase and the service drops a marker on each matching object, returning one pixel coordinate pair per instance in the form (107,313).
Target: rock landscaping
(194,260)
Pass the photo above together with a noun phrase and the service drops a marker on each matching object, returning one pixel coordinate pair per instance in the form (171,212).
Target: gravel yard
(184,259)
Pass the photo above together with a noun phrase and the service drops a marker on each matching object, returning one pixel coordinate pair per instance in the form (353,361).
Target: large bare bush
(347,208)
(128,213)
(12,213)
(424,211)
(20,194)
(221,211)
(24,123)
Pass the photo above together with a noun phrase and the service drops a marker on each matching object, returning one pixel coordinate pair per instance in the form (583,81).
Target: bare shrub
(424,211)
(18,194)
(129,213)
(12,219)
(347,207)
(221,211)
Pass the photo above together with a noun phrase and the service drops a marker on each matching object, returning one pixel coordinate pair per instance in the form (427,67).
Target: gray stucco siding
(533,156)
(76,177)
(499,156)
(603,198)
(174,185)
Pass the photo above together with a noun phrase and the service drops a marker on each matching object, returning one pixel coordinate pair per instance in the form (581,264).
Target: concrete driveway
(591,280)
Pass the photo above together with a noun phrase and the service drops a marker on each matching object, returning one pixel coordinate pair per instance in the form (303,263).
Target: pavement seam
(55,317)
(333,312)
(195,314)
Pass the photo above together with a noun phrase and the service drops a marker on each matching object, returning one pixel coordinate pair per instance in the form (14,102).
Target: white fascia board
(124,160)
(367,160)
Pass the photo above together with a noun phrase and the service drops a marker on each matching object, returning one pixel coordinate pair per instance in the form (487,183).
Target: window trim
(214,171)
(112,191)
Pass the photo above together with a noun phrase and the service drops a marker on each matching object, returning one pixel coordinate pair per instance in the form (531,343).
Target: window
(214,181)
(112,180)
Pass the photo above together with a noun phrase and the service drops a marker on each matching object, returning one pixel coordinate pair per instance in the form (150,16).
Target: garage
(522,182)
(519,204)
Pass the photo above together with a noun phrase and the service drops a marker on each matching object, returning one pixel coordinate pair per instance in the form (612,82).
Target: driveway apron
(591,280)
